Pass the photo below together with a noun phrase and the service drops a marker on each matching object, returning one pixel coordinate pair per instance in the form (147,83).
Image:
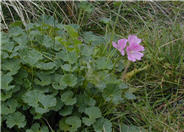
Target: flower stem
(125,70)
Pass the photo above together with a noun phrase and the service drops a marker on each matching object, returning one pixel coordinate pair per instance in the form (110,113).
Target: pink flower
(134,48)
(120,46)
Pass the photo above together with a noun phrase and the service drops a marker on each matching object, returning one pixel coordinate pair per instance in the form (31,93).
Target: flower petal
(114,45)
(133,39)
(137,47)
(122,43)
(137,55)
(122,52)
(131,58)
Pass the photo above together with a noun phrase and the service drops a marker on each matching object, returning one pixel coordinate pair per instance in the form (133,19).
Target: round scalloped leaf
(74,122)
(39,101)
(88,121)
(130,95)
(6,44)
(11,65)
(69,80)
(47,41)
(93,112)
(70,57)
(44,79)
(66,67)
(67,98)
(30,56)
(45,66)
(37,128)
(16,119)
(63,126)
(9,107)
(102,124)
(71,31)
(112,93)
(104,63)
(67,110)
(5,82)
(58,86)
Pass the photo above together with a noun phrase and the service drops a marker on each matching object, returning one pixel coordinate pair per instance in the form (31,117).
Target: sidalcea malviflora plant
(133,49)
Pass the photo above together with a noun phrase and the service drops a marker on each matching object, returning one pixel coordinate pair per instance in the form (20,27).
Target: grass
(159,106)
(160,87)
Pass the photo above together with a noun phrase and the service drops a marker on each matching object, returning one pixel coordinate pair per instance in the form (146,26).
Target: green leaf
(37,128)
(74,122)
(47,42)
(123,86)
(88,121)
(44,79)
(17,119)
(67,110)
(21,76)
(103,63)
(63,126)
(22,39)
(71,31)
(93,112)
(45,66)
(131,128)
(5,81)
(67,98)
(66,67)
(130,96)
(4,55)
(98,78)
(9,107)
(32,98)
(69,80)
(87,51)
(39,101)
(105,20)
(112,93)
(84,101)
(69,68)
(59,105)
(11,65)
(86,6)
(16,31)
(70,57)
(6,44)
(30,56)
(57,45)
(35,36)
(102,124)
(90,37)
(8,94)
(27,84)
(47,101)
(58,86)
(117,3)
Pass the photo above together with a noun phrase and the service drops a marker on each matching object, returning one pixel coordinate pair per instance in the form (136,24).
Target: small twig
(48,124)
(125,71)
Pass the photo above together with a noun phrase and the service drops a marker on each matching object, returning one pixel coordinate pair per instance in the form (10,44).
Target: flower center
(132,51)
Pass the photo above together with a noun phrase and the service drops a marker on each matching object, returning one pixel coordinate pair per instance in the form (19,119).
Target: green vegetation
(60,71)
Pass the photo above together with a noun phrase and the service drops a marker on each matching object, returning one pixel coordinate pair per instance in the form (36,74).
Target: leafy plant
(49,73)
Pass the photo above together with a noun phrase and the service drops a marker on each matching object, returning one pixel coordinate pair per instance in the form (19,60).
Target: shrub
(52,76)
